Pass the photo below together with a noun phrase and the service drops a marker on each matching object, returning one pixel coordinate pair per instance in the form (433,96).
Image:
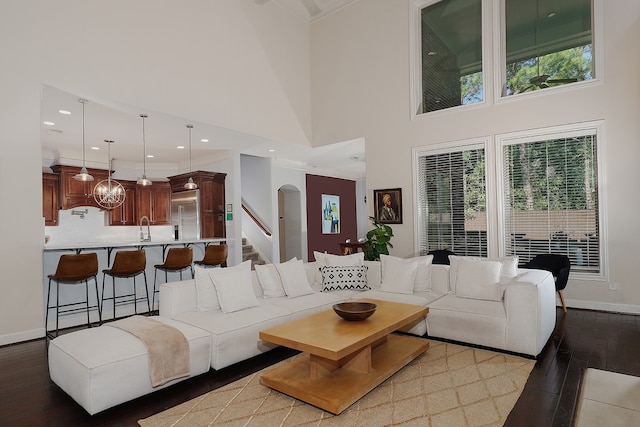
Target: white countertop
(122,244)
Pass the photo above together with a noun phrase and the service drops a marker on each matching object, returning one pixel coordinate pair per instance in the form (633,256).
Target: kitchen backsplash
(89,224)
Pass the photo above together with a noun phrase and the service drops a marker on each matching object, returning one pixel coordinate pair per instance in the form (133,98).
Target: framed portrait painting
(388,205)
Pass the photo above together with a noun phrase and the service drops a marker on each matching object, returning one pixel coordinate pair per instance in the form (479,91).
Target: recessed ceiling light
(272,150)
(204,140)
(64,112)
(49,123)
(150,156)
(95,148)
(431,53)
(551,14)
(180,147)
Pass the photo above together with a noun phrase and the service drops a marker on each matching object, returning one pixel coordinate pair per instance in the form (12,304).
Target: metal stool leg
(146,289)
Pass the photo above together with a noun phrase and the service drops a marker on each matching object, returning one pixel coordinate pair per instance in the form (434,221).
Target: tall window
(547,185)
(550,190)
(450,54)
(548,44)
(451,194)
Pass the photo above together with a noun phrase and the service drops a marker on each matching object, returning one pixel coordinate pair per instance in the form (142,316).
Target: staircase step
(247,248)
(250,255)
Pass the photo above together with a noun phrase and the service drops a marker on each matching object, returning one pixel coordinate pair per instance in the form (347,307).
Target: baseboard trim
(603,306)
(22,336)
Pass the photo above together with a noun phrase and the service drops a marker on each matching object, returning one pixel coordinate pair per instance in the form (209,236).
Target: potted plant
(378,240)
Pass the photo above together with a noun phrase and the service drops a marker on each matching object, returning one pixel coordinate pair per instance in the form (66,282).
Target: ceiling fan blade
(539,79)
(558,81)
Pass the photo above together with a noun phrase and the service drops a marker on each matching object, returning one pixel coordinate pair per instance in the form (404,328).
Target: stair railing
(254,217)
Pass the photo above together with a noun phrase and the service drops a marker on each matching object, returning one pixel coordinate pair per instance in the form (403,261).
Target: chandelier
(109,193)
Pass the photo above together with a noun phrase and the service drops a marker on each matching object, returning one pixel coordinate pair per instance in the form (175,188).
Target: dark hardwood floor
(581,339)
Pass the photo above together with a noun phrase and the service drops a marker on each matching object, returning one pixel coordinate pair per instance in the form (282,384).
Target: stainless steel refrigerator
(185,214)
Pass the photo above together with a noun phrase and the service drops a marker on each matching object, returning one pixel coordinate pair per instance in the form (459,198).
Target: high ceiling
(62,142)
(311,10)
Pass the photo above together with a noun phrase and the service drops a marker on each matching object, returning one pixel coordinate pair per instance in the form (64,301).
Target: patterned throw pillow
(346,277)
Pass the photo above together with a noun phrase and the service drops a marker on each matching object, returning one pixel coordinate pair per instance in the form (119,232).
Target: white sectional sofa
(519,318)
(478,301)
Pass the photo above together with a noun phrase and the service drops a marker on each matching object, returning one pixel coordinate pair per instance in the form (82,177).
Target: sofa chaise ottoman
(105,366)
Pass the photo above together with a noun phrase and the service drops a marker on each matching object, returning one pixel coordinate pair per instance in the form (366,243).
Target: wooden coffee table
(346,360)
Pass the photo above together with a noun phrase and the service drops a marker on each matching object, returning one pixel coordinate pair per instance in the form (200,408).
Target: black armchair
(559,265)
(440,256)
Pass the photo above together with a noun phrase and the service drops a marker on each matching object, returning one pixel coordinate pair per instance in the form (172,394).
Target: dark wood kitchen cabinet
(125,214)
(154,201)
(73,193)
(212,200)
(50,201)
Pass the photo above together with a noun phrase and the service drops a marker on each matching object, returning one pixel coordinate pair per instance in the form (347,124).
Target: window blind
(452,202)
(550,200)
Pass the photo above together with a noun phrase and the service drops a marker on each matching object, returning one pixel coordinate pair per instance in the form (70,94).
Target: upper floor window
(450,54)
(548,43)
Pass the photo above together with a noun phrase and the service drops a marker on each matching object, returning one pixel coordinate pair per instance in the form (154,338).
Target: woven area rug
(449,385)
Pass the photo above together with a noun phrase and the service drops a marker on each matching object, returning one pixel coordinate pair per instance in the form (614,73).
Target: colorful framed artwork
(330,214)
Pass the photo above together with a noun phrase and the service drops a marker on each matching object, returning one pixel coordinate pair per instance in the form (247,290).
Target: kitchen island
(155,251)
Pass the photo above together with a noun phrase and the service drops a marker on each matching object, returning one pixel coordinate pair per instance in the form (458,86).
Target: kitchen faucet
(142,238)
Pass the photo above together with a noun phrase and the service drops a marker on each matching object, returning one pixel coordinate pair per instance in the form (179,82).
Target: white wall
(239,64)
(360,88)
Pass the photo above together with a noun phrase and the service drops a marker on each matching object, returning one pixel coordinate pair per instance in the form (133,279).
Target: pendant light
(83,175)
(144,180)
(109,193)
(190,185)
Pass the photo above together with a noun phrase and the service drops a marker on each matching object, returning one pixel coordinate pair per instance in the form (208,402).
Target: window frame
(493,146)
(548,133)
(499,40)
(415,59)
(450,147)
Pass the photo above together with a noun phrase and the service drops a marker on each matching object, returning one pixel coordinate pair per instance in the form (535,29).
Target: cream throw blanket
(167,347)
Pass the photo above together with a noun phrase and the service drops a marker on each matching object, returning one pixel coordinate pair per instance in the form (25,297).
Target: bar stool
(214,255)
(177,259)
(73,270)
(127,264)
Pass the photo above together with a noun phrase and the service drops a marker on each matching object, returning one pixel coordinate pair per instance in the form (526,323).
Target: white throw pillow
(270,281)
(399,277)
(508,271)
(422,281)
(294,279)
(339,278)
(206,295)
(479,279)
(234,287)
(324,259)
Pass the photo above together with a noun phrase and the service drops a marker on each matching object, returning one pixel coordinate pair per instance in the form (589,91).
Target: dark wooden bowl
(354,310)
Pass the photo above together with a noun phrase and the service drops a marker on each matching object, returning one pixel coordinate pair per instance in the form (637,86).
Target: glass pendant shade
(190,185)
(83,175)
(144,180)
(109,193)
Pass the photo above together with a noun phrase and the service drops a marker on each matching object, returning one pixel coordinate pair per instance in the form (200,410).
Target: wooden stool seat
(73,270)
(127,264)
(177,259)
(214,255)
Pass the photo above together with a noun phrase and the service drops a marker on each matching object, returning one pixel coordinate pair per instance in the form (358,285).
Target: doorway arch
(289,222)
